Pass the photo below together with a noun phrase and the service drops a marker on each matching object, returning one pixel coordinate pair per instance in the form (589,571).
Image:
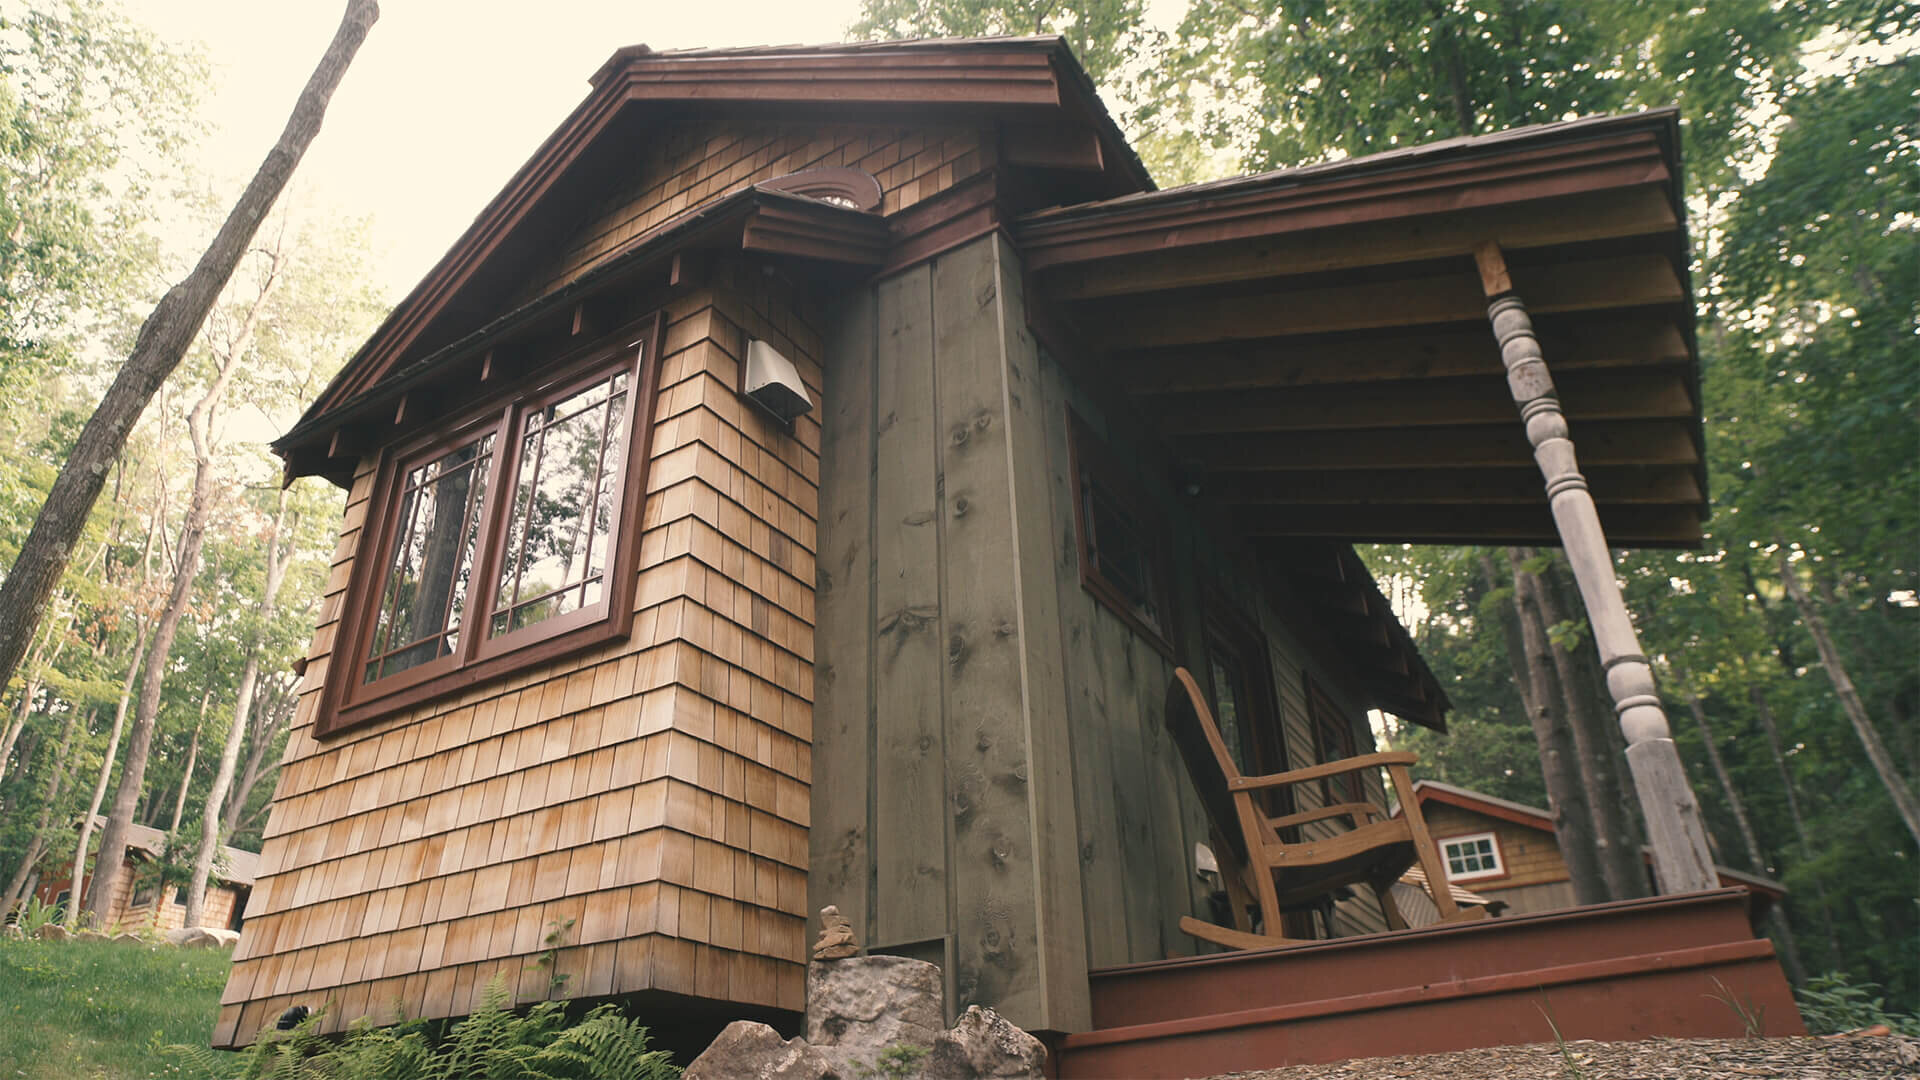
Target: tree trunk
(279,555)
(186,777)
(34,681)
(1896,786)
(100,785)
(37,847)
(273,717)
(162,342)
(126,797)
(1613,835)
(1527,652)
(1789,948)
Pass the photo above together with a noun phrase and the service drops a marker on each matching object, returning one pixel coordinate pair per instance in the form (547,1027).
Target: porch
(1683,966)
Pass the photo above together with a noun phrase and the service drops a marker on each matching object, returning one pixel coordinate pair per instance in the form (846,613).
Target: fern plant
(495,1043)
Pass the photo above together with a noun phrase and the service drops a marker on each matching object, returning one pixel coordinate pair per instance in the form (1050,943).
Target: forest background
(1789,643)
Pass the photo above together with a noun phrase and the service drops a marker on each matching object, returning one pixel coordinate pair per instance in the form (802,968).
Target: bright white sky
(446,98)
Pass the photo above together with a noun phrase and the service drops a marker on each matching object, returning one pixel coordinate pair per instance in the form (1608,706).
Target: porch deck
(1672,965)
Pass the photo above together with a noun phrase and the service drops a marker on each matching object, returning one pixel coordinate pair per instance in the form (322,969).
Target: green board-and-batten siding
(996,788)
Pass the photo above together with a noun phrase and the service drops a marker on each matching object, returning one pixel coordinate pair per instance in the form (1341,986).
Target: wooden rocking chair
(1292,875)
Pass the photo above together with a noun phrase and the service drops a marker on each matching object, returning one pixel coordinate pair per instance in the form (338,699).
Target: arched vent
(839,185)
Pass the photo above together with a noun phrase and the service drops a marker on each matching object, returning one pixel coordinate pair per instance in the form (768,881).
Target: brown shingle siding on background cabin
(691,165)
(653,791)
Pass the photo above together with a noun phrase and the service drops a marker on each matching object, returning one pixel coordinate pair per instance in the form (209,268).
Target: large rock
(751,1051)
(985,1045)
(52,931)
(870,1003)
(91,935)
(202,937)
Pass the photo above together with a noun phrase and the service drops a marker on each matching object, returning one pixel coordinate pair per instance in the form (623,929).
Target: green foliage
(36,913)
(1106,35)
(91,109)
(550,959)
(495,1043)
(895,1063)
(97,1008)
(1831,1004)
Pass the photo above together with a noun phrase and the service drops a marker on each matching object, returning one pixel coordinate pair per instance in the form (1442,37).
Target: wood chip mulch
(1866,1058)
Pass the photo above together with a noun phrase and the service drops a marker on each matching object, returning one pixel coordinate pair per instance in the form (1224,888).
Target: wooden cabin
(799,484)
(1507,851)
(141,903)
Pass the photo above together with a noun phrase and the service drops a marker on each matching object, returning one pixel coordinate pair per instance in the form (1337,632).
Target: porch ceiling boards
(1313,345)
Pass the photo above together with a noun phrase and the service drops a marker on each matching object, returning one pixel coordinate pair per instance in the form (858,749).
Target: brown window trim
(1326,716)
(1089,458)
(345,702)
(1230,633)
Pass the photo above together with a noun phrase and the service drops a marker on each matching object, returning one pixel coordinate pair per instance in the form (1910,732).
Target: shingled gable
(1054,140)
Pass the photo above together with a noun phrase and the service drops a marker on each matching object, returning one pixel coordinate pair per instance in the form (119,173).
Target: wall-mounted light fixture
(772,382)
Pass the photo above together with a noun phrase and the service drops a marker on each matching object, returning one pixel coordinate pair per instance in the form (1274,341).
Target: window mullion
(480,598)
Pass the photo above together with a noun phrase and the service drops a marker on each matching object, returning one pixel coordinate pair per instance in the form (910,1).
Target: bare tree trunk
(106,773)
(279,555)
(193,757)
(37,847)
(1789,948)
(1618,855)
(270,719)
(1527,651)
(162,342)
(1896,786)
(126,797)
(35,667)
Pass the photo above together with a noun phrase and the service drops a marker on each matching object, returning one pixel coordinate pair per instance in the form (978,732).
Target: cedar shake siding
(687,165)
(650,796)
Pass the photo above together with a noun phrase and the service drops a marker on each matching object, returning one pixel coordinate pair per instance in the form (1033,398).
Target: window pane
(1119,551)
(1225,691)
(437,527)
(562,523)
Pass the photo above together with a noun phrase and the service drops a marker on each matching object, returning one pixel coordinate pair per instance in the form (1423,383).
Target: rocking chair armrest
(1358,810)
(1316,772)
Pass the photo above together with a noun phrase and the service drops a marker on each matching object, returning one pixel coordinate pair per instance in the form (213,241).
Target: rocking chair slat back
(1284,874)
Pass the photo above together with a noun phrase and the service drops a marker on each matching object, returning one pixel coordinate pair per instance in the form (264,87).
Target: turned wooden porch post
(1681,860)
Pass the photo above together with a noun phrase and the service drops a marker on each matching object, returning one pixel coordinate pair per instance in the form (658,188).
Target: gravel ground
(1867,1058)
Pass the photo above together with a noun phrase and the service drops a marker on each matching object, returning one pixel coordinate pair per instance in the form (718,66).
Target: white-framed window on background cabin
(1472,857)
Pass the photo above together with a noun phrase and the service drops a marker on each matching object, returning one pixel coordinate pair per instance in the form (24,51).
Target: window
(1333,740)
(500,539)
(1243,700)
(1122,546)
(1471,857)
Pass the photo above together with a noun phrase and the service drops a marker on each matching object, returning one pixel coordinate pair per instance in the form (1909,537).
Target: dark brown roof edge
(655,243)
(1055,45)
(605,88)
(1663,122)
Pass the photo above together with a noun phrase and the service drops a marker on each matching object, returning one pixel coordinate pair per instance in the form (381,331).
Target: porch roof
(1313,346)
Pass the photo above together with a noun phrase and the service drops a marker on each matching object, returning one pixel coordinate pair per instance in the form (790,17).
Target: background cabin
(621,673)
(1507,851)
(141,902)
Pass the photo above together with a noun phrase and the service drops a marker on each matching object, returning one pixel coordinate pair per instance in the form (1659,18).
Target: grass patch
(102,1010)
